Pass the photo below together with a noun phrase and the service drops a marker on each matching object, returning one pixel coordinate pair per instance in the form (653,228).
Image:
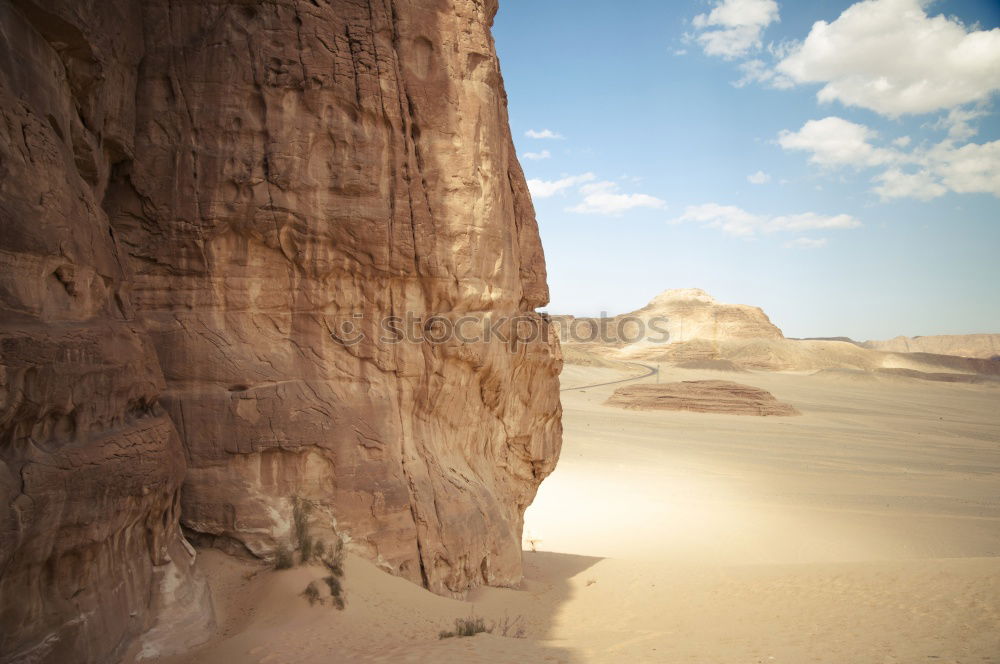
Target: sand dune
(867,530)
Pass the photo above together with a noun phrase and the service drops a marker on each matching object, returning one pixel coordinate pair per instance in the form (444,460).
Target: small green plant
(282,558)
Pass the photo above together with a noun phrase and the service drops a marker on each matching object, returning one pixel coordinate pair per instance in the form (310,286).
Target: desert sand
(865,530)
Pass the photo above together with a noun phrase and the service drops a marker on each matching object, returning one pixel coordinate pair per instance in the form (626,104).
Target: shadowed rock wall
(195,197)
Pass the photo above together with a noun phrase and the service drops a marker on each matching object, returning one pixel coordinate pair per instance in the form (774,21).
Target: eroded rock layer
(203,205)
(701,396)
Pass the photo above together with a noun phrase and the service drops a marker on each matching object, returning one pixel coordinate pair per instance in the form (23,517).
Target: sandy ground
(865,530)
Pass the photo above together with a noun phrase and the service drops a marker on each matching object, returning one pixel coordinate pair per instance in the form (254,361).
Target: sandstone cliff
(196,197)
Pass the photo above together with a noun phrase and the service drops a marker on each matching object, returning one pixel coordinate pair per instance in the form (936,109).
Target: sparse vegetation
(300,528)
(283,558)
(473,625)
(513,629)
(334,561)
(311,593)
(305,550)
(310,548)
(333,558)
(466,627)
(336,591)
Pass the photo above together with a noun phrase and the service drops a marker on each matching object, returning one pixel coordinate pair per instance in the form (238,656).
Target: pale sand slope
(866,530)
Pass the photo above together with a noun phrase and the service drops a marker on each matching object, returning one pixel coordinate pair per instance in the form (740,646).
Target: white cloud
(544,133)
(737,221)
(760,177)
(547,188)
(780,50)
(757,71)
(806,243)
(681,51)
(733,27)
(604,198)
(894,183)
(922,172)
(902,141)
(834,141)
(958,122)
(889,56)
(808,221)
(971,168)
(536,156)
(729,218)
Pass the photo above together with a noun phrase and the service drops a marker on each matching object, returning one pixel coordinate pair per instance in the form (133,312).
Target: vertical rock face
(209,213)
(301,166)
(90,466)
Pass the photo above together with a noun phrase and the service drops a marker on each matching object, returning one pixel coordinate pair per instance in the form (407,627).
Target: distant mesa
(702,396)
(694,314)
(672,316)
(705,334)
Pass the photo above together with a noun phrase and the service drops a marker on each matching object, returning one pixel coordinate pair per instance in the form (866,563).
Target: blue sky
(741,147)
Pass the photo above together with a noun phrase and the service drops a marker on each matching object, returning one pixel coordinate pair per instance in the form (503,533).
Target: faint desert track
(650,371)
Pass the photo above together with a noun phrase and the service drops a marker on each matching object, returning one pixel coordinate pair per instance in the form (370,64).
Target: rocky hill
(694,314)
(690,328)
(672,316)
(984,346)
(208,211)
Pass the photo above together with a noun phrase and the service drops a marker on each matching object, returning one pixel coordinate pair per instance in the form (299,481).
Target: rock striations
(701,396)
(210,211)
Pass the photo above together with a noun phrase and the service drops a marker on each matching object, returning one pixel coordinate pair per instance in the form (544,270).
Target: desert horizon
(486,331)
